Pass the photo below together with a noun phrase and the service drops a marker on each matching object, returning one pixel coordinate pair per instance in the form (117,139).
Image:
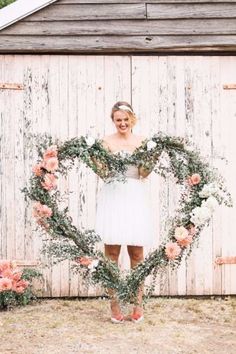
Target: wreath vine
(203,189)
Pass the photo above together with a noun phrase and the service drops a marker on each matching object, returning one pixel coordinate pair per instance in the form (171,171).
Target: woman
(123,213)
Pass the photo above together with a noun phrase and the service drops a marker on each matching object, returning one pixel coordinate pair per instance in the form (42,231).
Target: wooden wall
(70,96)
(119,26)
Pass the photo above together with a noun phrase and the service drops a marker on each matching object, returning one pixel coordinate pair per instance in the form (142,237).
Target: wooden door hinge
(11,86)
(229,87)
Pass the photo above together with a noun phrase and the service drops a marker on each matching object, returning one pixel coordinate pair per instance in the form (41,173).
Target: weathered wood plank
(118,27)
(140,1)
(118,44)
(3,240)
(224,141)
(17,121)
(165,11)
(8,163)
(89,12)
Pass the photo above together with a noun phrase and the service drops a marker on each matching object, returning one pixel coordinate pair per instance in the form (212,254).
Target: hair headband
(125,108)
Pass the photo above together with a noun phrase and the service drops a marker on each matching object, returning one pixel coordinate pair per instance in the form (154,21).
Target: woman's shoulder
(108,138)
(140,139)
(107,141)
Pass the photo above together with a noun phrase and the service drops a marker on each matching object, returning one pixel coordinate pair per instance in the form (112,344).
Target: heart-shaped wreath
(203,189)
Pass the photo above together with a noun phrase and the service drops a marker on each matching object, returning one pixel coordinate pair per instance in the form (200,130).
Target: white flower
(164,160)
(93,265)
(90,140)
(200,215)
(123,154)
(211,203)
(181,233)
(208,190)
(151,145)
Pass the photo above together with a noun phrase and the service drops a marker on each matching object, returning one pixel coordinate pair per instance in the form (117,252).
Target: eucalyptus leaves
(202,190)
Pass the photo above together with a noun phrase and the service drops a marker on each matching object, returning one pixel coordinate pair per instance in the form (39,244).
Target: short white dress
(124,212)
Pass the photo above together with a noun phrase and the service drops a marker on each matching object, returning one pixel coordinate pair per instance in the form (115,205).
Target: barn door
(70,96)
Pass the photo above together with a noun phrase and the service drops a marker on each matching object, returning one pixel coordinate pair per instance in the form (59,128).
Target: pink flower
(5,284)
(183,236)
(20,286)
(42,223)
(50,152)
(4,265)
(194,179)
(37,169)
(84,261)
(41,210)
(16,276)
(172,250)
(50,182)
(7,273)
(51,164)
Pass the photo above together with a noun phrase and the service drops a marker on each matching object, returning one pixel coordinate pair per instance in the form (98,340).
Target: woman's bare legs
(112,252)
(136,256)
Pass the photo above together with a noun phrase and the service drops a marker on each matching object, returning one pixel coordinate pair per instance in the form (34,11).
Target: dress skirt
(124,214)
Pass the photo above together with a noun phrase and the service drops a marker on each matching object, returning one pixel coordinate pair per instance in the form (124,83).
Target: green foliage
(4,3)
(171,157)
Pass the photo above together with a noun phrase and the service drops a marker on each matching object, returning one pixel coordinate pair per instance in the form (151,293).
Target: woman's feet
(117,319)
(137,315)
(116,315)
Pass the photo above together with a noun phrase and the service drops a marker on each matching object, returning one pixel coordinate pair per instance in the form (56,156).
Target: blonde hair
(120,106)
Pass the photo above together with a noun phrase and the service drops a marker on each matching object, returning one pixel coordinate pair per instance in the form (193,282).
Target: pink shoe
(137,317)
(117,319)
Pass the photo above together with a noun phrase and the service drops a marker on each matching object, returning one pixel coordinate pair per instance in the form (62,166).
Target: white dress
(124,212)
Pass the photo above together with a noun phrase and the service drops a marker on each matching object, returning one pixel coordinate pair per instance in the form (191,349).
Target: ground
(171,326)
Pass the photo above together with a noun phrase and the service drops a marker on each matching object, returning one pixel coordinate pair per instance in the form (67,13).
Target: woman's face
(122,122)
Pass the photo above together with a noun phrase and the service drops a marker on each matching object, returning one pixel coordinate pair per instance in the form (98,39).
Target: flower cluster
(47,167)
(42,212)
(11,278)
(88,262)
(202,214)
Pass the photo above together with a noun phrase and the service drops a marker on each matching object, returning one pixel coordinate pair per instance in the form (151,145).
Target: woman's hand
(144,172)
(101,168)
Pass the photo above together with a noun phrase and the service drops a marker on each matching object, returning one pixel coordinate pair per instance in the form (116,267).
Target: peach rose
(84,261)
(7,273)
(42,223)
(172,250)
(50,182)
(37,169)
(182,236)
(41,210)
(51,165)
(5,284)
(185,241)
(50,152)
(4,265)
(16,276)
(20,286)
(194,179)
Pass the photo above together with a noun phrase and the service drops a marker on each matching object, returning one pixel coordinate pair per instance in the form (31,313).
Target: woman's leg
(112,252)
(136,256)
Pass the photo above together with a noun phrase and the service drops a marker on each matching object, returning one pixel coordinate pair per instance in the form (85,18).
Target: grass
(74,326)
